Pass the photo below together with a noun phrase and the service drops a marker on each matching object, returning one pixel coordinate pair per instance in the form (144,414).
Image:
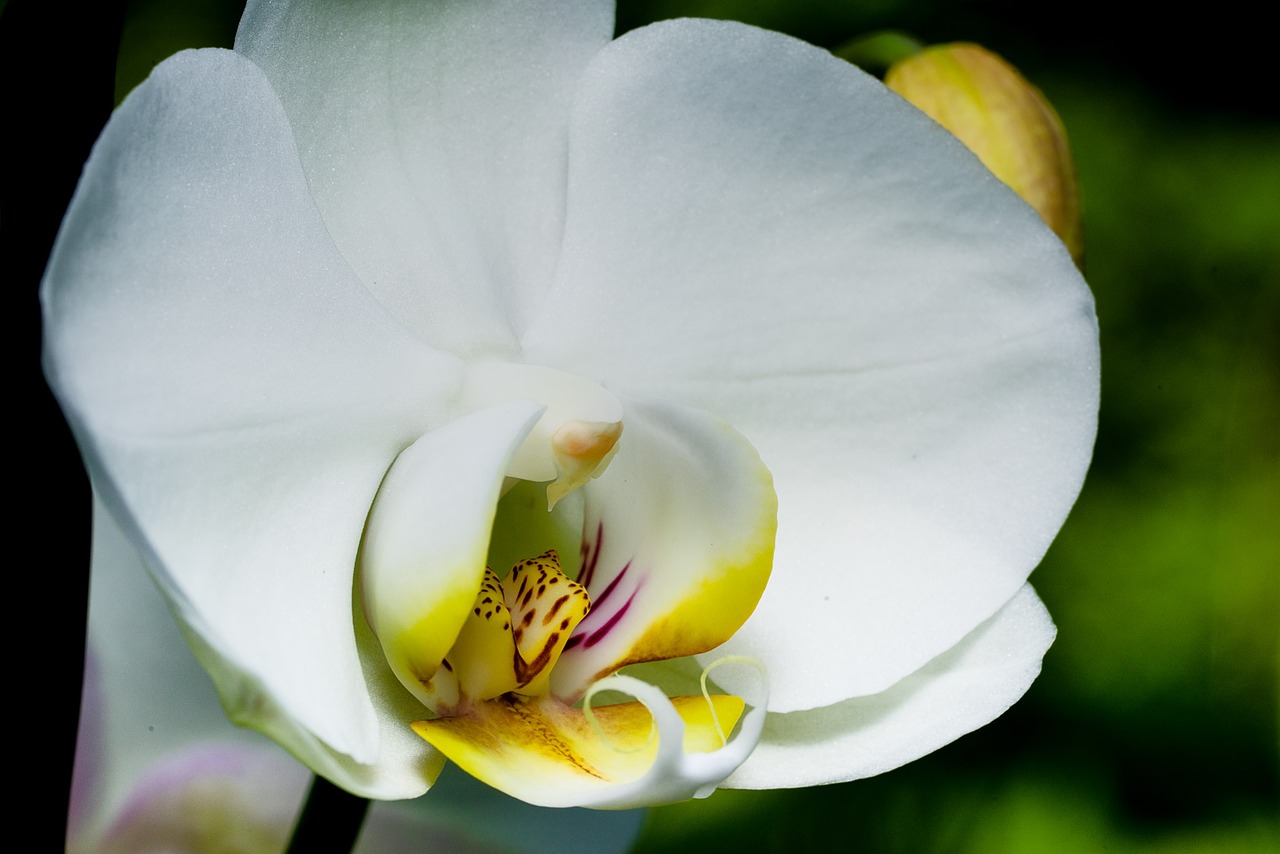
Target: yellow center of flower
(519,676)
(511,639)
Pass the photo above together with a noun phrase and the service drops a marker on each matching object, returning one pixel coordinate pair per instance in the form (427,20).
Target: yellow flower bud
(1004,120)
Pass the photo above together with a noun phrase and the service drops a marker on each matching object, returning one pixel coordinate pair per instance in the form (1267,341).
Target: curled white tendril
(676,775)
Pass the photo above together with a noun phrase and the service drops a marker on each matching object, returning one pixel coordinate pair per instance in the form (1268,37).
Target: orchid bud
(1004,120)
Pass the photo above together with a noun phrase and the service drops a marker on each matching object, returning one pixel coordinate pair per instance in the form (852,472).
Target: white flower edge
(961,690)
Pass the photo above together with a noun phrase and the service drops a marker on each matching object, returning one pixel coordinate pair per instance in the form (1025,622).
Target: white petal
(149,697)
(245,797)
(677,544)
(762,231)
(434,139)
(238,396)
(424,551)
(961,690)
(152,700)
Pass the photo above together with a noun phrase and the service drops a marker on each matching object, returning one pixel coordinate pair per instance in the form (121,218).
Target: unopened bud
(1004,120)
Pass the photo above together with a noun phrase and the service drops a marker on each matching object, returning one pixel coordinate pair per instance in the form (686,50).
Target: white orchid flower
(398,289)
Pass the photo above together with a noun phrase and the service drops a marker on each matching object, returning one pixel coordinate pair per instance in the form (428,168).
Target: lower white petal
(959,691)
(150,699)
(238,797)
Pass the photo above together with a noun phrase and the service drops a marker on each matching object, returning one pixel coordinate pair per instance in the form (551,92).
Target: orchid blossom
(732,354)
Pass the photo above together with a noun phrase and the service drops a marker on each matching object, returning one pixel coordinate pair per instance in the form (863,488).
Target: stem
(330,820)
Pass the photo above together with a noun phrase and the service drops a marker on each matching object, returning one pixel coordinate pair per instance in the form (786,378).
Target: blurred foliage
(1154,725)
(157,29)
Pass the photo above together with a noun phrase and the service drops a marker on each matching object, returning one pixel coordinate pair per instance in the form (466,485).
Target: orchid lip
(505,670)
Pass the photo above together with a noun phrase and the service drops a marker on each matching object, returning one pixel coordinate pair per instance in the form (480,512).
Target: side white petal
(424,549)
(960,691)
(677,544)
(433,135)
(237,394)
(791,247)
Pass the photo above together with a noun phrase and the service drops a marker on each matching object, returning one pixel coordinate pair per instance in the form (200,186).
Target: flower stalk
(330,819)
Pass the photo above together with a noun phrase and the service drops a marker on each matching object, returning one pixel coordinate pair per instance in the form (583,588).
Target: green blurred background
(1154,727)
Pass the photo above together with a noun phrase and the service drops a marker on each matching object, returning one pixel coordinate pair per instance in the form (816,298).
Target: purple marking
(596,636)
(590,557)
(583,634)
(600,600)
(584,628)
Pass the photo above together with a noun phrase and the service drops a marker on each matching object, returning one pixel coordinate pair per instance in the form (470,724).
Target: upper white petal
(762,231)
(237,394)
(433,135)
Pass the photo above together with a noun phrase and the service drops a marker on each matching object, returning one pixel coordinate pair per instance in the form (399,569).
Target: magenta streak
(591,556)
(596,610)
(596,636)
(600,600)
